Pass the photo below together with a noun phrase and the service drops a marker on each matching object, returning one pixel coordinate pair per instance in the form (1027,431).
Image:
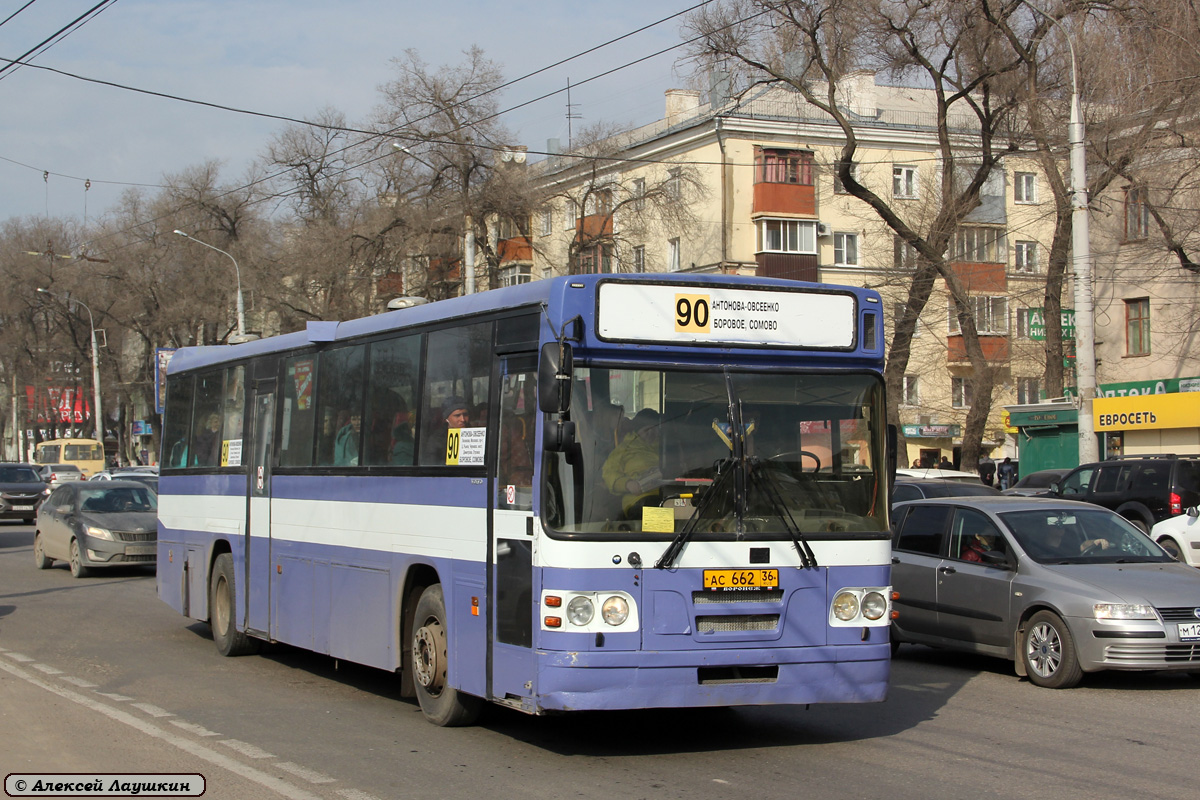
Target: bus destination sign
(711,315)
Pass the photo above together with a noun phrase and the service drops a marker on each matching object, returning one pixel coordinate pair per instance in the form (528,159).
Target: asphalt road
(98,675)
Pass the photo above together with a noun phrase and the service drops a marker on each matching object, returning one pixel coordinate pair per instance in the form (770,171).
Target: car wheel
(39,553)
(442,704)
(221,609)
(1141,525)
(78,570)
(1172,548)
(1049,652)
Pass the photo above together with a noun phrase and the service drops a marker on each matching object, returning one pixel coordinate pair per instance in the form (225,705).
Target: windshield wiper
(770,488)
(725,468)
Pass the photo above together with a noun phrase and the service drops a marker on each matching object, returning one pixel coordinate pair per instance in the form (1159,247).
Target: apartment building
(745,185)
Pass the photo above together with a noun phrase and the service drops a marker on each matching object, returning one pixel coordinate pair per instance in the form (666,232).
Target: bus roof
(554,293)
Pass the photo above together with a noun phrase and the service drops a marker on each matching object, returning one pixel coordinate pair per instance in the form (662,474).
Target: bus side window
(178,422)
(340,406)
(206,433)
(389,424)
(458,367)
(299,412)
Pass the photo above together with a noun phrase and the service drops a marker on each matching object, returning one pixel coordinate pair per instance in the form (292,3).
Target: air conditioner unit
(824,229)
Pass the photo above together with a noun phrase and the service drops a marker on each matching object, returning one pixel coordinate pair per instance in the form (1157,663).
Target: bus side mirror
(893,443)
(558,435)
(554,377)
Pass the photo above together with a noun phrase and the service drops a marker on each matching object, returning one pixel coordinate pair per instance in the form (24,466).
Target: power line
(54,38)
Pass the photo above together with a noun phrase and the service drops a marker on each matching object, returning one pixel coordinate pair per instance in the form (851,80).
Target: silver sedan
(1059,587)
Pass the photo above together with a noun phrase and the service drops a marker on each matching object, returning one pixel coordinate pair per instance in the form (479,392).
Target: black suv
(1143,489)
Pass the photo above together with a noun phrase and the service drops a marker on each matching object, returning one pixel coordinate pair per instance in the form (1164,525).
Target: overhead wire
(13,65)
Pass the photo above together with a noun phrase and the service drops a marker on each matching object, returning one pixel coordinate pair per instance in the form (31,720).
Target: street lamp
(468,234)
(1081,263)
(241,335)
(95,362)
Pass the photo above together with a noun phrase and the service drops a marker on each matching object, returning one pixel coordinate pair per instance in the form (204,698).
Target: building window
(783,166)
(898,314)
(1023,323)
(845,249)
(979,245)
(787,236)
(674,187)
(595,259)
(511,276)
(599,202)
(673,255)
(639,194)
(904,182)
(639,258)
(838,187)
(991,316)
(1025,257)
(1137,327)
(912,393)
(1024,187)
(1137,214)
(547,218)
(1027,391)
(904,255)
(960,393)
(570,218)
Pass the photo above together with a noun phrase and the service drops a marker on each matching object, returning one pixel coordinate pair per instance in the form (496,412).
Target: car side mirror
(994,558)
(1053,488)
(1194,511)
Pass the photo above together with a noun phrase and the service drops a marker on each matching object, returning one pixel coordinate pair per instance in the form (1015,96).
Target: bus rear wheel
(228,639)
(442,704)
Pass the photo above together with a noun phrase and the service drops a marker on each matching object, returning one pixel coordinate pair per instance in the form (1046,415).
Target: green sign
(1037,324)
(1131,388)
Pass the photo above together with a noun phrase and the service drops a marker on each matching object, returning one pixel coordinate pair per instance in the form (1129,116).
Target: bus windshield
(719,451)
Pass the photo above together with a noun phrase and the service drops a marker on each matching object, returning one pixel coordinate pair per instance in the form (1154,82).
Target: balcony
(995,349)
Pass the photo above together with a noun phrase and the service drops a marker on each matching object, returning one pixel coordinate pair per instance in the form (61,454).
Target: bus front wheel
(228,639)
(441,703)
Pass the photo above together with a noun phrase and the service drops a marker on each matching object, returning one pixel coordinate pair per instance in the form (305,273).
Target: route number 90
(692,313)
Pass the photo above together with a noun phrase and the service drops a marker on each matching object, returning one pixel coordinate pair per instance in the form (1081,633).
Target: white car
(939,474)
(1180,536)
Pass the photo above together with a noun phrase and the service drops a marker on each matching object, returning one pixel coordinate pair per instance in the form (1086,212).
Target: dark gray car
(97,524)
(22,490)
(1057,586)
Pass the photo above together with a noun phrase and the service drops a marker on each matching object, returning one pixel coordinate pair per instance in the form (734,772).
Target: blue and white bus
(588,492)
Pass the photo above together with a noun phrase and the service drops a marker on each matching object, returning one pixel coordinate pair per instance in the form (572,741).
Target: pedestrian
(1007,471)
(945,464)
(987,469)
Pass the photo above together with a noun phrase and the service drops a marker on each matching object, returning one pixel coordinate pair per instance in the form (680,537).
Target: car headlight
(845,606)
(100,533)
(615,610)
(46,492)
(874,605)
(1123,611)
(580,610)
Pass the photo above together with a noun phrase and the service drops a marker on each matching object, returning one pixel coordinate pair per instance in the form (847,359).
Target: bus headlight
(874,605)
(580,611)
(615,610)
(845,606)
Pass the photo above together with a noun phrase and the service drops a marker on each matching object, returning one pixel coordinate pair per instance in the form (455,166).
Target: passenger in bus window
(345,443)
(516,439)
(455,414)
(632,470)
(208,442)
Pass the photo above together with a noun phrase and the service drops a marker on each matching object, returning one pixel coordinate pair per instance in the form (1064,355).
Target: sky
(289,58)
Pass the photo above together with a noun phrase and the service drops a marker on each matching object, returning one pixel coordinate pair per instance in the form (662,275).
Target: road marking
(248,750)
(305,773)
(153,711)
(120,698)
(220,760)
(80,682)
(46,668)
(190,727)
(355,794)
(19,657)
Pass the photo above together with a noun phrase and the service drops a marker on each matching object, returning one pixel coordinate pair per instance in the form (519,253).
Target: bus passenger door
(260,437)
(512,662)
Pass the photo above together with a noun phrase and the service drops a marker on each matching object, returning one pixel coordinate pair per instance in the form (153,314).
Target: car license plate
(140,549)
(22,508)
(730,579)
(1189,631)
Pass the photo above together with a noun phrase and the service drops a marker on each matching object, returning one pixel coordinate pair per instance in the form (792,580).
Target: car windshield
(117,499)
(1039,480)
(659,451)
(1080,536)
(19,475)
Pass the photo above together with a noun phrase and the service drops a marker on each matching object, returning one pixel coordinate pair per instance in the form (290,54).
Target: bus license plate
(22,508)
(1189,631)
(729,579)
(141,549)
